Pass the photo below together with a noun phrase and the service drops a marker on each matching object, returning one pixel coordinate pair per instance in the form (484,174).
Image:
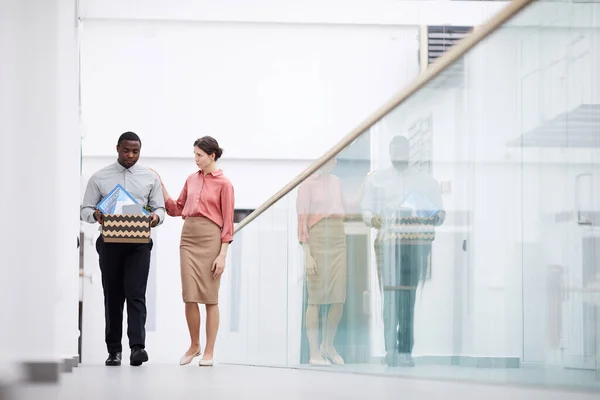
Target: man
(404,205)
(125,266)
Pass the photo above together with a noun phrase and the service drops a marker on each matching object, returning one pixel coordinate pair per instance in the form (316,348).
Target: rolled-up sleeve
(227,210)
(175,208)
(91,198)
(156,201)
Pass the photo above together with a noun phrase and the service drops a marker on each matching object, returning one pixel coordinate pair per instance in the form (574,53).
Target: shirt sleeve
(303,209)
(437,200)
(436,194)
(175,208)
(156,200)
(343,201)
(227,211)
(366,201)
(91,198)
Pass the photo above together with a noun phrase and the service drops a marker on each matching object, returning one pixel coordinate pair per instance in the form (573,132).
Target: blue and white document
(119,201)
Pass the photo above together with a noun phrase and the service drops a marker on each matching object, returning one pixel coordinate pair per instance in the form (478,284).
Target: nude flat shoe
(336,359)
(206,363)
(185,360)
(319,363)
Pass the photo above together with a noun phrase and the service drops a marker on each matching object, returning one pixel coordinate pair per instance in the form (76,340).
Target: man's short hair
(130,136)
(399,141)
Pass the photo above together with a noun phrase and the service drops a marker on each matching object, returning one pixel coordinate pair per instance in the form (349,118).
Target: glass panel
(457,239)
(255,308)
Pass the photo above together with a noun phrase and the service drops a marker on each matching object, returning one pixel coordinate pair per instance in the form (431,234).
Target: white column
(40,185)
(68,152)
(10,120)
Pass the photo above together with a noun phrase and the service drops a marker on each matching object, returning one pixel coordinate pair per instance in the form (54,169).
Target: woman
(206,203)
(321,232)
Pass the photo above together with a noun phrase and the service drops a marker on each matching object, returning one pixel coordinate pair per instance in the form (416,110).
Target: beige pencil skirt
(199,247)
(327,241)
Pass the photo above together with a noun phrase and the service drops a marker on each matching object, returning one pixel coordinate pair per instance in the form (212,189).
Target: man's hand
(439,218)
(154,220)
(98,216)
(218,266)
(376,221)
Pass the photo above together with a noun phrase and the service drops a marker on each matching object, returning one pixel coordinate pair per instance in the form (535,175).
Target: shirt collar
(121,168)
(216,172)
(317,176)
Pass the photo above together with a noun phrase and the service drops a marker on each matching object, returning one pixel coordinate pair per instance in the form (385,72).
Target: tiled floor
(237,382)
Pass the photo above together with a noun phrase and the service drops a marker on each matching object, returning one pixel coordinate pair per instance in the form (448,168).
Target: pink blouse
(210,196)
(318,197)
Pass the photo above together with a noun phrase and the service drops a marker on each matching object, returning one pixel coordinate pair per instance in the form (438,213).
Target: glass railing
(457,237)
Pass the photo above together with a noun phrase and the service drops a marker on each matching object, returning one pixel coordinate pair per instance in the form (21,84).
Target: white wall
(244,72)
(351,12)
(264,91)
(39,173)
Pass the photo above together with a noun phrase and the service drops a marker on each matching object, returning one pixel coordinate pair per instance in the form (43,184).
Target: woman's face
(203,160)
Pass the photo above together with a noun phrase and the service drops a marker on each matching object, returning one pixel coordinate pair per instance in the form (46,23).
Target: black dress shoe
(391,359)
(138,356)
(405,360)
(113,360)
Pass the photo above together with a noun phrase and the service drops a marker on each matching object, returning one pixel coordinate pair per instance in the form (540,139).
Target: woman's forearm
(165,193)
(224,247)
(306,249)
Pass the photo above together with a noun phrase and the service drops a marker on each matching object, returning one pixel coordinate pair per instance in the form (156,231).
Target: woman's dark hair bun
(209,145)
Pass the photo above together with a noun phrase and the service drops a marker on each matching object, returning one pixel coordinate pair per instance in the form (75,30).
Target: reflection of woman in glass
(321,233)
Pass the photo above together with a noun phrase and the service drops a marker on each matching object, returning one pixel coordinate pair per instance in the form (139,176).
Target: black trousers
(399,268)
(125,268)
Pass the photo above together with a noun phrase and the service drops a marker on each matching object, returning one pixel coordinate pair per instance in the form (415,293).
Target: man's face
(399,156)
(129,153)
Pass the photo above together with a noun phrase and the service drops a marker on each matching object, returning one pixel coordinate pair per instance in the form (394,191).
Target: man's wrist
(367,217)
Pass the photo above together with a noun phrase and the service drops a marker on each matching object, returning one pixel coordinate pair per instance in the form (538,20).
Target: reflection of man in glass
(404,205)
